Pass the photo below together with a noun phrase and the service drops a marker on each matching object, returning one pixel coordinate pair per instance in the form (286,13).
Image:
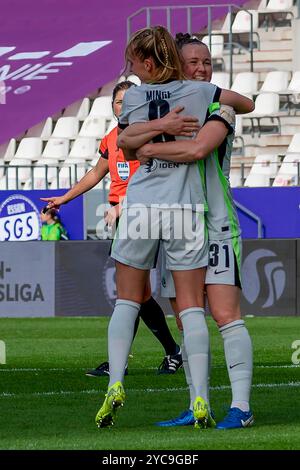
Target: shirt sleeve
(223,113)
(217,94)
(103,148)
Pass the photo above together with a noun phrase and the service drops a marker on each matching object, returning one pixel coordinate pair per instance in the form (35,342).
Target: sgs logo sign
(19,219)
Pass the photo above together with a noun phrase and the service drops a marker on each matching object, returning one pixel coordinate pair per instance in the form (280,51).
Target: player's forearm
(85,184)
(136,135)
(182,152)
(210,136)
(240,103)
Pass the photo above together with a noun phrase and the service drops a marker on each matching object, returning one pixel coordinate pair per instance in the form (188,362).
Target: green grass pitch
(47,402)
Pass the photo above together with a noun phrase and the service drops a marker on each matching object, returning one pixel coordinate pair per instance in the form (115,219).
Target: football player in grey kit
(153,56)
(222,279)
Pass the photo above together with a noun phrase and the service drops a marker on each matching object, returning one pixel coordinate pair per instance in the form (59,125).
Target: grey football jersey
(221,218)
(161,181)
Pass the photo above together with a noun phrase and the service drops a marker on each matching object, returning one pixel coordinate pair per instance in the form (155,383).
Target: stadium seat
(102,107)
(266,164)
(215,43)
(242,21)
(246,83)
(30,148)
(275,81)
(279,5)
(93,126)
(294,146)
(266,106)
(294,85)
(221,79)
(8,150)
(238,135)
(66,128)
(288,172)
(79,110)
(257,180)
(292,92)
(57,149)
(225,26)
(263,168)
(277,13)
(42,130)
(242,25)
(19,169)
(84,148)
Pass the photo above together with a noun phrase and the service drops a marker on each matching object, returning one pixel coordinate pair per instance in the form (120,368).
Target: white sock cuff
(130,303)
(231,325)
(199,310)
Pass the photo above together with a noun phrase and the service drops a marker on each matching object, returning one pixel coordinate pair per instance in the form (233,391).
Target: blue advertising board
(277,208)
(20,215)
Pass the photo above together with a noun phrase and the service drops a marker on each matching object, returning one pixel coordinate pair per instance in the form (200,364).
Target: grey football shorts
(223,268)
(142,230)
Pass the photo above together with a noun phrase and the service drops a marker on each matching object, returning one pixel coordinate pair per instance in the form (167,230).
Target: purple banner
(53,52)
(20,215)
(277,208)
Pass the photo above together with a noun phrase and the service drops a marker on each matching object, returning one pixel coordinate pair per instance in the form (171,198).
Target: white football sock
(120,336)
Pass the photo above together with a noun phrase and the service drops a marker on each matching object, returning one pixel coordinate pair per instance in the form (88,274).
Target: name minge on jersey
(157,95)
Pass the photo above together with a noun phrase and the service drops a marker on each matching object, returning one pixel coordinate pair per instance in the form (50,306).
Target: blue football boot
(236,418)
(186,418)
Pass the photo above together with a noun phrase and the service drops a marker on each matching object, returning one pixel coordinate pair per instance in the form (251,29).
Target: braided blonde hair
(157,43)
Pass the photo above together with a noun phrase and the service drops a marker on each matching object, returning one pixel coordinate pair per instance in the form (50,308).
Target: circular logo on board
(261,271)
(19,219)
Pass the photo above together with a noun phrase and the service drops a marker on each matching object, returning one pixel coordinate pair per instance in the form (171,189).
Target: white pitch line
(147,390)
(63,369)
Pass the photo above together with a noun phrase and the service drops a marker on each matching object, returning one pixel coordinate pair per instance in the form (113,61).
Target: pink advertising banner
(55,52)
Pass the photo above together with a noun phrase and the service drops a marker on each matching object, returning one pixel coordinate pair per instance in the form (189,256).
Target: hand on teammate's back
(175,124)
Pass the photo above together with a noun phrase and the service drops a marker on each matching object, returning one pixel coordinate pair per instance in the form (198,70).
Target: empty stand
(94,127)
(57,149)
(66,128)
(42,130)
(30,148)
(246,83)
(8,150)
(79,110)
(102,107)
(221,79)
(289,172)
(84,148)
